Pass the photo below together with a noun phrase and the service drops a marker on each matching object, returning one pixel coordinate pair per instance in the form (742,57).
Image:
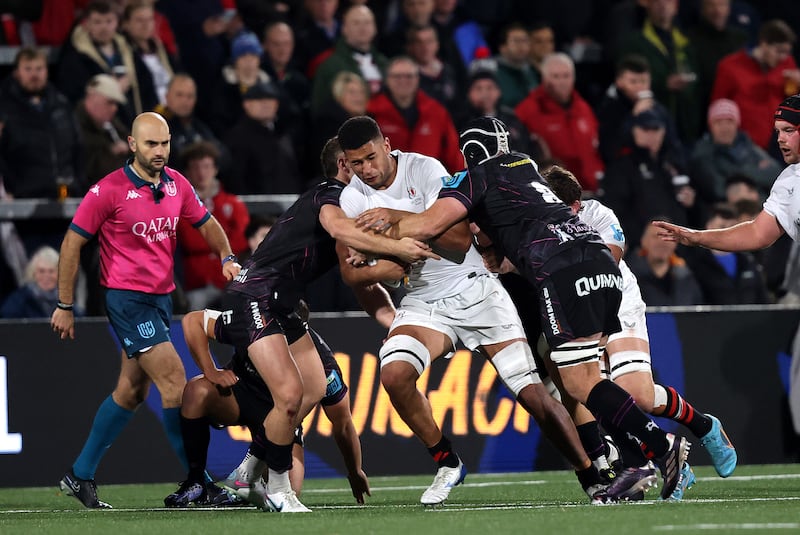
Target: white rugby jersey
(415,188)
(784,202)
(605,222)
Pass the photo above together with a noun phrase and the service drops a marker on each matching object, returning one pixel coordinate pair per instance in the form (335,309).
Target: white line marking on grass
(422,487)
(752,478)
(716,527)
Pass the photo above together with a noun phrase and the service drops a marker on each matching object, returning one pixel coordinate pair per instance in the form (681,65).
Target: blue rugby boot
(720,448)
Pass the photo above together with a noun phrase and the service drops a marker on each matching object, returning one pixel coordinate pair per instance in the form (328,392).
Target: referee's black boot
(84,490)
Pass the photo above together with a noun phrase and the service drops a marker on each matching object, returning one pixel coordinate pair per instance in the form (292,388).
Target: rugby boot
(84,490)
(719,447)
(446,478)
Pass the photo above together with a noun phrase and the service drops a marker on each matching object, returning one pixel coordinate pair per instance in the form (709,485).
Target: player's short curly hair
(358,131)
(563,183)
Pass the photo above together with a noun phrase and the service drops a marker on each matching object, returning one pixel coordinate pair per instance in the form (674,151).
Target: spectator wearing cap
(483,100)
(263,159)
(646,181)
(412,120)
(202,279)
(243,72)
(628,95)
(355,52)
(103,135)
(558,115)
(758,79)
(726,150)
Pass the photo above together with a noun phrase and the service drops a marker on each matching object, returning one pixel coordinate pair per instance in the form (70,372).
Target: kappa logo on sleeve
(453,181)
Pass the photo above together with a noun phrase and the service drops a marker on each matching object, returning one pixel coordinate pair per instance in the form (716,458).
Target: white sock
(278,482)
(251,468)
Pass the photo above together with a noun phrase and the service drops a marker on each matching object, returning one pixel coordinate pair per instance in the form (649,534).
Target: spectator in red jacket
(203,280)
(559,116)
(758,80)
(412,120)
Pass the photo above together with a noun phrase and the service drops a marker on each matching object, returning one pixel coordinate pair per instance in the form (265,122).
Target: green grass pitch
(756,499)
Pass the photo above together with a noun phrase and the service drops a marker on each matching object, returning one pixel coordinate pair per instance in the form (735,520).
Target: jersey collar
(139,181)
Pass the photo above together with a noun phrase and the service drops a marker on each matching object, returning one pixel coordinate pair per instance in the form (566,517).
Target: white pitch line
(421,487)
(716,527)
(440,509)
(752,478)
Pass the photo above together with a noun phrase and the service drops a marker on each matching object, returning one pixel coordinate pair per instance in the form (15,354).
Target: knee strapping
(405,348)
(515,367)
(209,314)
(552,389)
(574,353)
(623,362)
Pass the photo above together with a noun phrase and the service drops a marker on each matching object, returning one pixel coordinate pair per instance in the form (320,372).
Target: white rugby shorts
(482,314)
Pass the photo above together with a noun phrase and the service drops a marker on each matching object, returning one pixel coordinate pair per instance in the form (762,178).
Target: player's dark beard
(151,169)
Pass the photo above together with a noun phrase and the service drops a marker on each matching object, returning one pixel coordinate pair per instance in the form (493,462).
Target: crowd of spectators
(661,108)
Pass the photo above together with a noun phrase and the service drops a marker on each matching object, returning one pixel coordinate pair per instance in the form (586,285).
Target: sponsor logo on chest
(156,229)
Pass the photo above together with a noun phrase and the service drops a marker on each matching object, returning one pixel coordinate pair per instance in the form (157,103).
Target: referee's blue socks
(108,423)
(172,425)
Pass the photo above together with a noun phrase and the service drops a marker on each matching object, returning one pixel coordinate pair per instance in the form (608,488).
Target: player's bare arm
(216,239)
(346,437)
(63,321)
(455,238)
(443,214)
(341,228)
(369,272)
(197,335)
(747,236)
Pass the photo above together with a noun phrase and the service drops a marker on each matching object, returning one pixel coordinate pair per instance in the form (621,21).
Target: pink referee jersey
(136,225)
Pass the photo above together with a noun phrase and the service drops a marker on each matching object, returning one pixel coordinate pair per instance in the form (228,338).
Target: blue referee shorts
(140,320)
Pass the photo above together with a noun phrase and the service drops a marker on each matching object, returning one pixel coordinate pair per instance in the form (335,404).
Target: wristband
(228,259)
(64,306)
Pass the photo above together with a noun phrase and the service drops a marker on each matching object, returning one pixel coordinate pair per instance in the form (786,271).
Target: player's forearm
(376,302)
(746,236)
(371,274)
(349,446)
(456,238)
(344,230)
(197,341)
(215,237)
(68,261)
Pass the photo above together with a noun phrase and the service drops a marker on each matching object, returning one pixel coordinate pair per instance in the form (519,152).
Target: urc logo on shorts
(586,285)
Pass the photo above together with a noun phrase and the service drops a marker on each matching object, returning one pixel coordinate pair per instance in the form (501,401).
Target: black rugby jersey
(296,251)
(527,223)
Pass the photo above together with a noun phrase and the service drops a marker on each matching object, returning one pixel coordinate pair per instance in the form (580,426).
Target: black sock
(278,456)
(681,411)
(588,477)
(258,445)
(196,437)
(629,451)
(592,442)
(442,452)
(615,409)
